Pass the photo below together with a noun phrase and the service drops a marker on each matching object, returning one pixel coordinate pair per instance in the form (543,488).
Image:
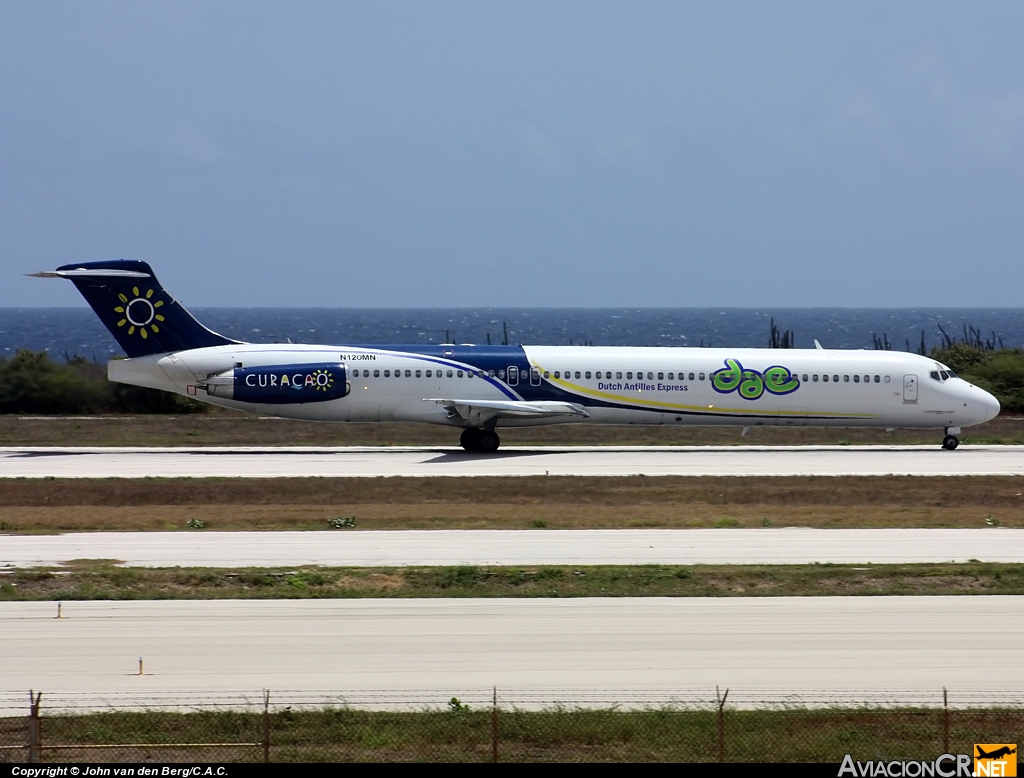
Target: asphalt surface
(583,461)
(358,548)
(846,645)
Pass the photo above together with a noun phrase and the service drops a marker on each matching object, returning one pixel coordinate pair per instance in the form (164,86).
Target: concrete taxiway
(357,548)
(851,644)
(582,461)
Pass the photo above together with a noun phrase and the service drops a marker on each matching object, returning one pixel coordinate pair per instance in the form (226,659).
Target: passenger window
(577,373)
(387,374)
(846,379)
(650,376)
(629,376)
(587,374)
(491,373)
(376,374)
(419,373)
(886,379)
(661,376)
(805,378)
(458,373)
(691,376)
(701,376)
(815,377)
(428,373)
(501,374)
(618,374)
(824,378)
(856,379)
(547,374)
(449,373)
(835,379)
(557,374)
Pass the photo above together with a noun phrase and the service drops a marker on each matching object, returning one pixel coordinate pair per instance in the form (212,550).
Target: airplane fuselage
(611,385)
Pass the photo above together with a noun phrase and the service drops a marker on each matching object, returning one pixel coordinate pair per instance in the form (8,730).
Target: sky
(554,153)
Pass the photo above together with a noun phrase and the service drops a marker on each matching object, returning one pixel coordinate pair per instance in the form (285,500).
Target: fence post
(945,721)
(494,727)
(721,723)
(35,730)
(266,725)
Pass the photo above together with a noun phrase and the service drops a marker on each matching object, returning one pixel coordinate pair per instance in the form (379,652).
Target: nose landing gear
(480,441)
(951,441)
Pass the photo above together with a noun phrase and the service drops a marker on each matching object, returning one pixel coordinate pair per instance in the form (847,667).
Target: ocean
(67,332)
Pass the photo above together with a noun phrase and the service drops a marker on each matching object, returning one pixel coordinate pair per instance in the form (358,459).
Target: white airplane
(481,388)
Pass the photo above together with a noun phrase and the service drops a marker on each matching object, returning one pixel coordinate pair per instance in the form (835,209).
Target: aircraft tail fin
(138,311)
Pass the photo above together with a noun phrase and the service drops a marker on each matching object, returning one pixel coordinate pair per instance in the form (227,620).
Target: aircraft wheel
(489,442)
(470,439)
(950,442)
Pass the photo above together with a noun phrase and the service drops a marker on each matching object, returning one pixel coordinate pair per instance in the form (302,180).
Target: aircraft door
(513,375)
(534,376)
(910,388)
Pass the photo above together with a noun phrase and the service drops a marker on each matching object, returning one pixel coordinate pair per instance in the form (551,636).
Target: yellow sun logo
(322,380)
(139,312)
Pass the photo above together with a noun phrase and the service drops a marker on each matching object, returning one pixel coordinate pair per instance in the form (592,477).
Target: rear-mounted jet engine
(280,384)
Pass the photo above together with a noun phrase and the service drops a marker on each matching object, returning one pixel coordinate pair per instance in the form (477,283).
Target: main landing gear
(951,441)
(480,441)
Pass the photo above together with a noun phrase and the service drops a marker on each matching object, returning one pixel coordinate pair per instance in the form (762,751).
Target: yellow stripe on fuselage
(661,405)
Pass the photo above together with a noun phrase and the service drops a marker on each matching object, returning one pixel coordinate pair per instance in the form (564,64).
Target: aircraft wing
(481,411)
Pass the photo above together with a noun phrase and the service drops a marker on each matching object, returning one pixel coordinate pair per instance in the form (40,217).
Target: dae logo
(995,759)
(751,384)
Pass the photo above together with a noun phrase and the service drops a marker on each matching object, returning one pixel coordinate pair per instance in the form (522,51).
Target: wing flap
(481,411)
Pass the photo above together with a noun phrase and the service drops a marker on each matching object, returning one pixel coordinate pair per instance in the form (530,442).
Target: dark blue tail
(136,309)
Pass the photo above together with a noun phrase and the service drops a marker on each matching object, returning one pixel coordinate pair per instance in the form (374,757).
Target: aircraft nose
(991,405)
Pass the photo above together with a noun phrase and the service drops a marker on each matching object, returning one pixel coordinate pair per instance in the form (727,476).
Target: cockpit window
(951,374)
(935,375)
(944,374)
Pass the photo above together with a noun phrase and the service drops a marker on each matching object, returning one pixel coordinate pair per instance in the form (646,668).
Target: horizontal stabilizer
(478,412)
(95,273)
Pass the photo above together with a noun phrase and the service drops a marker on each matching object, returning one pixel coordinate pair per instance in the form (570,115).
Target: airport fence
(518,727)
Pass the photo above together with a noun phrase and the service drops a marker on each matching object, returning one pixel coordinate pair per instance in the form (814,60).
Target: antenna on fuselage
(818,345)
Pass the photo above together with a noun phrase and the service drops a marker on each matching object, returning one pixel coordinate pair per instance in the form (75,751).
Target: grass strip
(30,505)
(458,734)
(226,428)
(104,580)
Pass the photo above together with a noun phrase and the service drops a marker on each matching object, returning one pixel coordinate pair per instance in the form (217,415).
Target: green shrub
(999,372)
(31,382)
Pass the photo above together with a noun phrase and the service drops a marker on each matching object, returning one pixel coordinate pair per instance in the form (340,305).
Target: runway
(358,548)
(275,462)
(845,644)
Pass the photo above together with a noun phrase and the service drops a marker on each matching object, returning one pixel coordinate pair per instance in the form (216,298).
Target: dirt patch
(76,505)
